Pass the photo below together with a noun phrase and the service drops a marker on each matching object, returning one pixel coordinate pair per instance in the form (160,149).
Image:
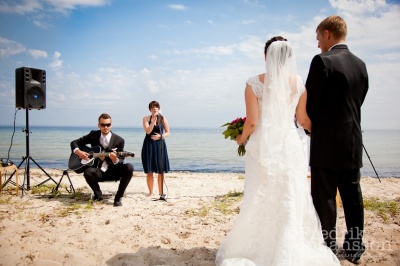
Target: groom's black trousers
(121,172)
(324,184)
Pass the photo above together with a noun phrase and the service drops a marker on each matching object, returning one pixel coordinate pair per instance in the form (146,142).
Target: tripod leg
(16,181)
(25,177)
(9,179)
(50,178)
(55,190)
(71,186)
(371,163)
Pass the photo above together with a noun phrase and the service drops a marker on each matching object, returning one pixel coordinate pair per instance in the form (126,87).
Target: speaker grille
(34,97)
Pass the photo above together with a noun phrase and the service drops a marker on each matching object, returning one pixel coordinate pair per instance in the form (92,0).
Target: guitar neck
(101,154)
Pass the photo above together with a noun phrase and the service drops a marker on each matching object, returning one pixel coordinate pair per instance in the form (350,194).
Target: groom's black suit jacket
(337,84)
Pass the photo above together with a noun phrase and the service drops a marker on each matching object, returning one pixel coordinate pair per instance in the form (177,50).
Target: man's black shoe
(117,203)
(97,198)
(354,257)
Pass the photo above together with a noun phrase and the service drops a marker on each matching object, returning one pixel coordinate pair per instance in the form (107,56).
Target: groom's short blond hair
(335,25)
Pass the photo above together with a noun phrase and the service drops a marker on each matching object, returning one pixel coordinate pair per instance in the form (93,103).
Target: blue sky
(194,57)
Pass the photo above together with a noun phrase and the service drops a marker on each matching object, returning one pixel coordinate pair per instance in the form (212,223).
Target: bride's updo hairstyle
(273,39)
(279,53)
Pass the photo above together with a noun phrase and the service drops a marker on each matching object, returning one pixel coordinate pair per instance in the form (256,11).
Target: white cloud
(153,57)
(248,22)
(42,11)
(56,64)
(65,5)
(145,72)
(375,30)
(20,7)
(41,23)
(178,7)
(373,35)
(37,53)
(30,6)
(219,50)
(110,85)
(210,83)
(255,3)
(10,48)
(359,7)
(252,46)
(152,85)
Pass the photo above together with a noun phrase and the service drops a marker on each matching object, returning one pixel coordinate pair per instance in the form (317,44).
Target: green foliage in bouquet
(235,128)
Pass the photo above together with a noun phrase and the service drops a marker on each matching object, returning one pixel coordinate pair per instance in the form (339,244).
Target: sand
(38,229)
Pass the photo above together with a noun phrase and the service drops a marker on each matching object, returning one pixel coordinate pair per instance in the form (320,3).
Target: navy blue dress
(154,152)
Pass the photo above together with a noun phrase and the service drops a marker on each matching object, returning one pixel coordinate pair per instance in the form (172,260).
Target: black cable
(160,122)
(12,137)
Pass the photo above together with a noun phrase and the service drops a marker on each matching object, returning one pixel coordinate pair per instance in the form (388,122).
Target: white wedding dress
(277,223)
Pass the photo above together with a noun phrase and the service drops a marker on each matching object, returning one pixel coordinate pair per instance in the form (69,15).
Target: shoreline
(213,153)
(185,230)
(58,171)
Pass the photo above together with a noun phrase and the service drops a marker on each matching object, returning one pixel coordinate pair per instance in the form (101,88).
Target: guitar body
(78,165)
(75,163)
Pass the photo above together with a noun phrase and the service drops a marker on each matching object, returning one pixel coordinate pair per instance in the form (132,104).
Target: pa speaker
(30,88)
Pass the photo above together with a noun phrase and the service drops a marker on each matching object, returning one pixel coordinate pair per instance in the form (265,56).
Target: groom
(337,84)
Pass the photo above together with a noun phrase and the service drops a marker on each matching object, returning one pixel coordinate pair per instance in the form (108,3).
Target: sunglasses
(105,125)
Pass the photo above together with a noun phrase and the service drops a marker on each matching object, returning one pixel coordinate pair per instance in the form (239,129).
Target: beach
(42,228)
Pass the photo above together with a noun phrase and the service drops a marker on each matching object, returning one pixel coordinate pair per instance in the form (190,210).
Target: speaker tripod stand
(27,160)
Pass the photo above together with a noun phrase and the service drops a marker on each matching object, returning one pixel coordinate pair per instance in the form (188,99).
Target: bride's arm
(251,115)
(301,113)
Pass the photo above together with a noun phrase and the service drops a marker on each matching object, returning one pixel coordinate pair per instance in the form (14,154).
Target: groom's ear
(327,34)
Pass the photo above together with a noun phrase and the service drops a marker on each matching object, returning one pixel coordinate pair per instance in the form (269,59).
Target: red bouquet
(235,128)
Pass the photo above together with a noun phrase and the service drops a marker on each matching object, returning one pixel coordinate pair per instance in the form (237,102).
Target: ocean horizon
(189,149)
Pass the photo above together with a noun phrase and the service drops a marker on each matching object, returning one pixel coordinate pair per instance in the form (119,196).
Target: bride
(277,223)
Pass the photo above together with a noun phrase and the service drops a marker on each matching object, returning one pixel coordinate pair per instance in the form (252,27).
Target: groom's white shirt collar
(335,45)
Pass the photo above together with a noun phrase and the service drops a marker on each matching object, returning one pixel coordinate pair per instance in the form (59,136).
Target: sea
(189,149)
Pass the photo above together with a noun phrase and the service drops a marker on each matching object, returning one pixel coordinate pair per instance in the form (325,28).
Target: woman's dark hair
(154,104)
(273,39)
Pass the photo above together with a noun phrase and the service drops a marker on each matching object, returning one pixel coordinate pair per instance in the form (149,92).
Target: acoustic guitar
(95,157)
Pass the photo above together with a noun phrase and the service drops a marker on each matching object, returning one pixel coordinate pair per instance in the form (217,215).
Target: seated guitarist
(111,167)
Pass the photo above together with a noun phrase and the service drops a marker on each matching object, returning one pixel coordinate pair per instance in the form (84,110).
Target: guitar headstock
(126,154)
(130,154)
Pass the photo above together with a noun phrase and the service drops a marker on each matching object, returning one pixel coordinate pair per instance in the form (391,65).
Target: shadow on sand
(156,255)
